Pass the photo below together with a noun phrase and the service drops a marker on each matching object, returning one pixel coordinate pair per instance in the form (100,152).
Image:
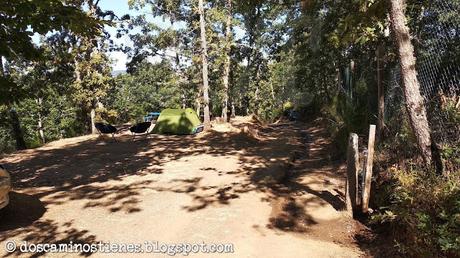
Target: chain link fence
(437,49)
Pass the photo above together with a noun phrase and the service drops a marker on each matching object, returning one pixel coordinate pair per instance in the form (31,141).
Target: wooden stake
(368,171)
(351,191)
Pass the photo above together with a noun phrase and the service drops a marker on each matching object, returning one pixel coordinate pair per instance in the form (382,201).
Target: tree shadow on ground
(22,211)
(49,232)
(95,171)
(22,218)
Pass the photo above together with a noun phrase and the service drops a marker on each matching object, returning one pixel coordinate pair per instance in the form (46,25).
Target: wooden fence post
(368,170)
(351,191)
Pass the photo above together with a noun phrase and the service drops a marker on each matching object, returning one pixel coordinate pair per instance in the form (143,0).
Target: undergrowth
(417,207)
(422,211)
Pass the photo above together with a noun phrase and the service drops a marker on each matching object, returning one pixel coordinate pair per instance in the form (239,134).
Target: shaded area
(290,216)
(80,170)
(314,178)
(22,211)
(270,160)
(51,232)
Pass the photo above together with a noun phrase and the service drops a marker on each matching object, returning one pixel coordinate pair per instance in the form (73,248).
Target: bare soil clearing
(272,191)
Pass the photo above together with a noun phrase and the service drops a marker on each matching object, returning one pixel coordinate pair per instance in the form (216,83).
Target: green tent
(178,121)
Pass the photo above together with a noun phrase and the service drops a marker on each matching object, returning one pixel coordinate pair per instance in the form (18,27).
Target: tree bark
(414,101)
(40,121)
(92,48)
(94,107)
(93,120)
(381,95)
(204,58)
(2,72)
(228,38)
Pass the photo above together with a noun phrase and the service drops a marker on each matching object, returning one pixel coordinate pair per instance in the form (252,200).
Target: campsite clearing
(271,191)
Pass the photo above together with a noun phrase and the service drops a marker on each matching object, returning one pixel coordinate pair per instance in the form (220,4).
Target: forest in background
(334,58)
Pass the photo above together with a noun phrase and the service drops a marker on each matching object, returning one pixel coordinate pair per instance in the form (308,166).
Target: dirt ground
(271,191)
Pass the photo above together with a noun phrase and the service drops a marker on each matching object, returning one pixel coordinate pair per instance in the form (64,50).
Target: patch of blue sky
(120,8)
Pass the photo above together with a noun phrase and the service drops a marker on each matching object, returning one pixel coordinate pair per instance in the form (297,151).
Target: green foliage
(94,78)
(423,211)
(21,19)
(152,88)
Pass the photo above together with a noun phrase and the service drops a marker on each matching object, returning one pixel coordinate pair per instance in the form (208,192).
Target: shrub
(423,211)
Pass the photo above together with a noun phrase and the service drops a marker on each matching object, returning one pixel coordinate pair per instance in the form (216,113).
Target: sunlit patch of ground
(263,188)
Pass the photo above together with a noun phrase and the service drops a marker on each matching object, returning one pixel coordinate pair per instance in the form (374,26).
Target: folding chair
(103,128)
(140,128)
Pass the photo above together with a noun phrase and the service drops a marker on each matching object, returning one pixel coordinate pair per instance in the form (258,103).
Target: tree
(92,70)
(414,101)
(20,19)
(227,62)
(153,87)
(204,60)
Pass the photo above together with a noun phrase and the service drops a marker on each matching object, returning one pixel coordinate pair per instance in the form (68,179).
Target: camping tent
(177,121)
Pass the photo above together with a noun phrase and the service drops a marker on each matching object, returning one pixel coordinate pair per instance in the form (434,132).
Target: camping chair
(106,129)
(198,129)
(140,128)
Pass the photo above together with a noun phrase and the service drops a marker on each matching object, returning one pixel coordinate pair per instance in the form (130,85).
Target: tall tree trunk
(182,76)
(228,38)
(2,72)
(381,95)
(92,49)
(93,120)
(98,105)
(198,109)
(17,131)
(14,119)
(414,101)
(40,121)
(204,58)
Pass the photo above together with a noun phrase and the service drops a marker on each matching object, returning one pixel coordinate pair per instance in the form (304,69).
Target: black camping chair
(140,128)
(103,128)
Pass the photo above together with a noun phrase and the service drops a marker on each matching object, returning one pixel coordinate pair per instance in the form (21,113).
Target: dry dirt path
(270,191)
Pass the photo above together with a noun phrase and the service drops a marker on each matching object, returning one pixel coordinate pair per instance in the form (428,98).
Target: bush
(422,211)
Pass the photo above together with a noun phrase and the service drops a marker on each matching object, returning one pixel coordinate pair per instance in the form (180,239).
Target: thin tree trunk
(94,108)
(228,38)
(204,57)
(40,121)
(93,120)
(257,90)
(232,97)
(414,101)
(381,95)
(198,109)
(181,76)
(17,131)
(2,72)
(14,119)
(183,101)
(92,48)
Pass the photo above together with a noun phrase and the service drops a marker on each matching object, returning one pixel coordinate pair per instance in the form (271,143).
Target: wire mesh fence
(438,66)
(437,49)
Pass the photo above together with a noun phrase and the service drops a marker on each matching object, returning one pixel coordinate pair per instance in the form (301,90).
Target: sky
(120,8)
